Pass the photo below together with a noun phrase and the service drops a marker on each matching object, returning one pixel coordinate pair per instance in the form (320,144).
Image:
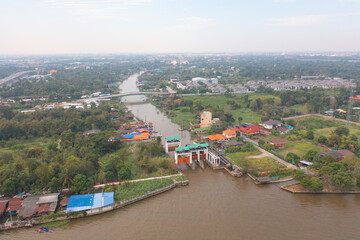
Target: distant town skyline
(171,26)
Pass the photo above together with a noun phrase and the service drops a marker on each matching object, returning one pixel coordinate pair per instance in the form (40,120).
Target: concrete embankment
(97,211)
(286,188)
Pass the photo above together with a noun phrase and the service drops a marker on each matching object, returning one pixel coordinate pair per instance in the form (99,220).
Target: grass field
(300,108)
(261,164)
(324,127)
(301,147)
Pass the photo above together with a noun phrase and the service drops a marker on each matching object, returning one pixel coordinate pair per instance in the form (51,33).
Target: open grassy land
(324,127)
(130,190)
(14,146)
(301,147)
(247,162)
(301,108)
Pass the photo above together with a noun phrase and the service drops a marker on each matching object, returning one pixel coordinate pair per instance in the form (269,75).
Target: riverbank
(297,188)
(98,211)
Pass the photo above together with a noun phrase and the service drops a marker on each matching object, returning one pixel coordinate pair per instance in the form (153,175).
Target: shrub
(316,184)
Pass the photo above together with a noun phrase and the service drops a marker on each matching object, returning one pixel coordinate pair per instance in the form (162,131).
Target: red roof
(254,129)
(64,202)
(3,205)
(14,204)
(43,208)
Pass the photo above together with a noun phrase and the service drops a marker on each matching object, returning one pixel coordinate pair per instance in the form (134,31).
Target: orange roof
(229,132)
(216,137)
(142,136)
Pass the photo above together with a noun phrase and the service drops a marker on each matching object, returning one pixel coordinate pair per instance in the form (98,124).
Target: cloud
(297,21)
(307,20)
(280,1)
(94,8)
(192,23)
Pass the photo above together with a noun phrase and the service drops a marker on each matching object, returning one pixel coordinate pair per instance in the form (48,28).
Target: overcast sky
(156,26)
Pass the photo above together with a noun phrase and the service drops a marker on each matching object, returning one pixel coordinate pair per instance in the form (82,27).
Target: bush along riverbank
(125,194)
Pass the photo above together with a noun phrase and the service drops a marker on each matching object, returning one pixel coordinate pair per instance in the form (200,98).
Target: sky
(176,26)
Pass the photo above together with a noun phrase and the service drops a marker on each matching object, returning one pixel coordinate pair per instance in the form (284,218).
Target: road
(319,115)
(12,77)
(289,165)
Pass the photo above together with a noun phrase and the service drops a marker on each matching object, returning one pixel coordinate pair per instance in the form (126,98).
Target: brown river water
(214,206)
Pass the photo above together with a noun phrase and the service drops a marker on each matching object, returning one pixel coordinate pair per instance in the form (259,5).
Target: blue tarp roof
(128,136)
(80,202)
(89,201)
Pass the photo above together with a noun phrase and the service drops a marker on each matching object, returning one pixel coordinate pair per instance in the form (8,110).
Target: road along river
(214,206)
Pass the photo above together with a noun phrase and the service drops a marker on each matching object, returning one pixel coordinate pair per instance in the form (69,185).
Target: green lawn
(261,164)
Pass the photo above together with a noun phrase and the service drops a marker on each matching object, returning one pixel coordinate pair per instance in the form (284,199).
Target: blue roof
(80,202)
(128,136)
(288,126)
(89,201)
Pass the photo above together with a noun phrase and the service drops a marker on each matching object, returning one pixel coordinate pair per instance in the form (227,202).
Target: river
(214,206)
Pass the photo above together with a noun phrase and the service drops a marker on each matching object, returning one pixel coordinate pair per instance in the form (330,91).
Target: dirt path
(319,115)
(257,156)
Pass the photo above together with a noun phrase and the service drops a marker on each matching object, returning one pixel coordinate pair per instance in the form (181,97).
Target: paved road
(276,158)
(12,77)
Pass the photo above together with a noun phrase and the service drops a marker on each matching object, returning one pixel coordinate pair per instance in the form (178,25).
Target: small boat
(42,229)
(180,129)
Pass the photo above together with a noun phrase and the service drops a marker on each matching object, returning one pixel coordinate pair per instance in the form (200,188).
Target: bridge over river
(127,94)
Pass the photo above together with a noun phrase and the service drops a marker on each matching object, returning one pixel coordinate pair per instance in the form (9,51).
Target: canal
(214,206)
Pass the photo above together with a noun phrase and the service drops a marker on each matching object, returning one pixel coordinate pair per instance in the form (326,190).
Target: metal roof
(49,198)
(170,139)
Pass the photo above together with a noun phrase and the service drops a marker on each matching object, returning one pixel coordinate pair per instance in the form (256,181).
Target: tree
(309,134)
(54,184)
(292,157)
(343,180)
(80,184)
(240,119)
(227,117)
(305,182)
(9,187)
(299,175)
(310,155)
(342,130)
(124,172)
(334,140)
(316,184)
(322,139)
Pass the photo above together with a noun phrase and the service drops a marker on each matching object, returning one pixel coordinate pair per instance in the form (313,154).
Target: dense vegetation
(61,157)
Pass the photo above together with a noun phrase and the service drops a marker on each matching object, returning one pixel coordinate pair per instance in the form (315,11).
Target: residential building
(206,119)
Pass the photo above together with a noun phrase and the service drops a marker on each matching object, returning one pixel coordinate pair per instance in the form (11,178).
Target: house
(228,133)
(39,205)
(3,206)
(216,137)
(178,100)
(283,129)
(278,143)
(269,125)
(206,119)
(338,154)
(231,143)
(250,130)
(129,116)
(14,206)
(85,202)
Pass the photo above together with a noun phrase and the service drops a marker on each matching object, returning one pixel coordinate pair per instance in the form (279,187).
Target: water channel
(214,206)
